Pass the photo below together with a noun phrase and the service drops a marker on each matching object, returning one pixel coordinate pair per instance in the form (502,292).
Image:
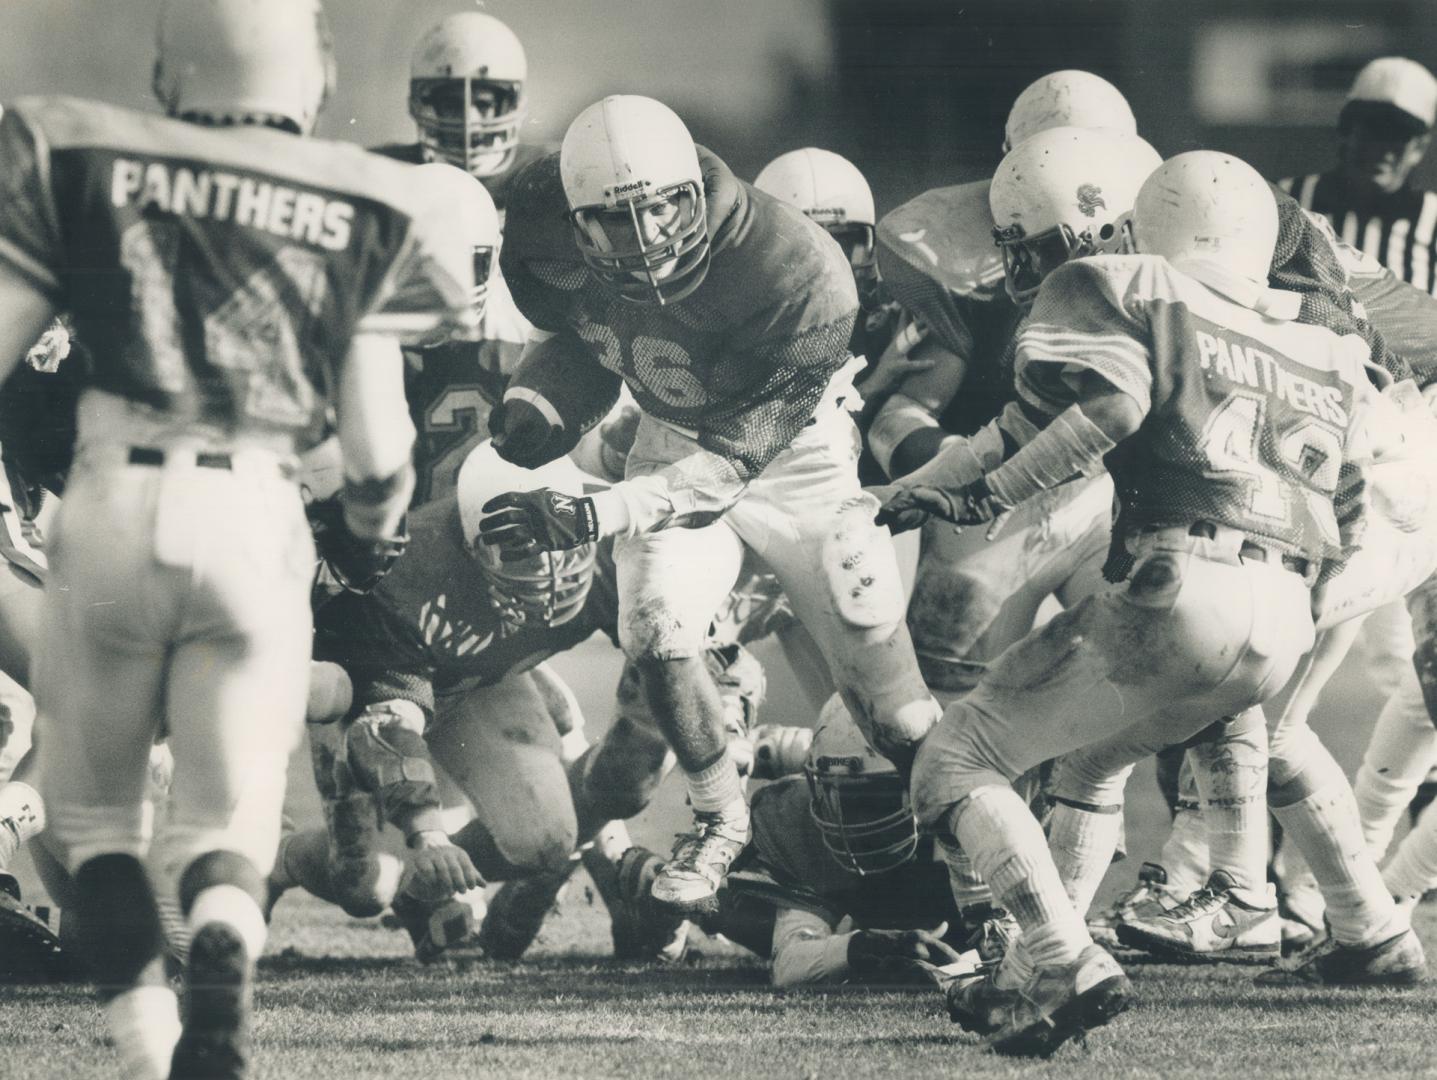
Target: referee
(1382,133)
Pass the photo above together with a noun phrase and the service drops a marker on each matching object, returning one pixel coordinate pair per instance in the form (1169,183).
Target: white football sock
(144,1023)
(1184,854)
(1010,852)
(1324,824)
(1413,870)
(718,789)
(1081,843)
(22,816)
(963,881)
(1231,775)
(231,905)
(1402,749)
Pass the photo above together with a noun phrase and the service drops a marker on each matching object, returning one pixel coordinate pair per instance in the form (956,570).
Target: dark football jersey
(431,622)
(450,390)
(789,847)
(1247,417)
(218,274)
(744,360)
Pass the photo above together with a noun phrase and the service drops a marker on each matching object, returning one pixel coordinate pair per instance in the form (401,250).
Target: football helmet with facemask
(473,216)
(858,800)
(1068,99)
(1208,207)
(635,191)
(1063,194)
(545,589)
(828,188)
(242,61)
(466,92)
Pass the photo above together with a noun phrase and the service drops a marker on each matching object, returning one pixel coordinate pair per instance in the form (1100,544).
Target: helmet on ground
(1062,194)
(829,189)
(469,210)
(636,197)
(1068,99)
(238,61)
(859,802)
(547,589)
(1208,206)
(466,92)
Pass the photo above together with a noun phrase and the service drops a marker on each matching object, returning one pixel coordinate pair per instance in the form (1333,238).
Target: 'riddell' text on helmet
(1061,195)
(828,188)
(636,199)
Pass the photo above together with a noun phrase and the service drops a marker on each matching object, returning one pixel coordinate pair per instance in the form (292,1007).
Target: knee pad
(860,568)
(385,750)
(653,631)
(116,922)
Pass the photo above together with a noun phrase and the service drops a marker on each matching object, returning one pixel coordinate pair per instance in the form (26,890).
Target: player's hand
(439,868)
(906,954)
(523,435)
(907,508)
(522,524)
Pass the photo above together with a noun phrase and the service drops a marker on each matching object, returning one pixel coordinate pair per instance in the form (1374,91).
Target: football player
(1123,358)
(643,261)
(835,840)
(467,95)
(180,559)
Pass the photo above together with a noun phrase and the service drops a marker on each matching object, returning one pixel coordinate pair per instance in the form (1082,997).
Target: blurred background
(913,91)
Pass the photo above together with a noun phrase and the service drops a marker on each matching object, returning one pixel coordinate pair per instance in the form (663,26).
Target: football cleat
(1218,922)
(1397,961)
(977,1003)
(1060,1001)
(517,911)
(433,927)
(215,1042)
(644,931)
(29,949)
(988,930)
(1150,896)
(689,882)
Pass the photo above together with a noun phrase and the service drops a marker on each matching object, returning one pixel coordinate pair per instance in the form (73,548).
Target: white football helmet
(469,210)
(1208,206)
(829,189)
(466,92)
(859,802)
(549,588)
(1063,194)
(1068,99)
(636,196)
(240,60)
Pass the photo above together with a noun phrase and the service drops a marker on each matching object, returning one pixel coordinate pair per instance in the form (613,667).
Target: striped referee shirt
(1395,229)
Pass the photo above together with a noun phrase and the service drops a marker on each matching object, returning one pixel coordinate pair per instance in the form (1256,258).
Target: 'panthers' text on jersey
(744,360)
(432,621)
(218,274)
(1247,417)
(937,258)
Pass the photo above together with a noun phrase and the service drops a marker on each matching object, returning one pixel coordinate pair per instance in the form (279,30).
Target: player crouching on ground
(835,845)
(1119,360)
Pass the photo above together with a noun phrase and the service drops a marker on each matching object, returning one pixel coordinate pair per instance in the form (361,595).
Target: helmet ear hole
(1106,232)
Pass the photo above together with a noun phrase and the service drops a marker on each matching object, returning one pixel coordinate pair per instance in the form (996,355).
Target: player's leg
(238,681)
(1399,755)
(670,585)
(99,677)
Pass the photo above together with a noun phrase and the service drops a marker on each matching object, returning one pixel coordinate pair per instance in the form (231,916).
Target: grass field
(344,999)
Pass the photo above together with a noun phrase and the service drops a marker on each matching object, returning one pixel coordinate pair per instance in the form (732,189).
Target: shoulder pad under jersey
(947,234)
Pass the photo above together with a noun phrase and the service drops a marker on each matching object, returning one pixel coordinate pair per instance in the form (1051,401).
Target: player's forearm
(376,437)
(964,460)
(692,491)
(807,951)
(1071,445)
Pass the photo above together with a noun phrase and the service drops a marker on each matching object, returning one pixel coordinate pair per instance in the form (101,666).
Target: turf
(344,999)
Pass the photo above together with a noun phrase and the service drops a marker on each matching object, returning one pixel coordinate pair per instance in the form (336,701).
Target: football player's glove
(907,955)
(356,564)
(522,524)
(908,508)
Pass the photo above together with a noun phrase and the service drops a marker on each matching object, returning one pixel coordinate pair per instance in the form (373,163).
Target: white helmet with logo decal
(549,588)
(244,60)
(859,802)
(466,92)
(1061,195)
(829,189)
(470,213)
(1068,99)
(636,196)
(1209,207)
